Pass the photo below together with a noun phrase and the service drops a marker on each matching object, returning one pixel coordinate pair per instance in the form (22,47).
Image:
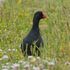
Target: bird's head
(39,15)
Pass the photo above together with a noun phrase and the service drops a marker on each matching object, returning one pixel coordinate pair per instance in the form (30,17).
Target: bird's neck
(35,23)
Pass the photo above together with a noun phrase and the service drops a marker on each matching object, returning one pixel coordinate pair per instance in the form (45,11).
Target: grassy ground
(16,21)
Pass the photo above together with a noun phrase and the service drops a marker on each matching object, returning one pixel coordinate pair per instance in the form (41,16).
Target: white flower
(9,49)
(51,63)
(24,63)
(4,69)
(38,58)
(45,69)
(8,63)
(20,62)
(36,68)
(14,50)
(27,66)
(4,66)
(1,2)
(67,63)
(31,59)
(15,66)
(5,57)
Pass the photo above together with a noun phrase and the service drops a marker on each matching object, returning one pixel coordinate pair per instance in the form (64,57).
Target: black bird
(33,37)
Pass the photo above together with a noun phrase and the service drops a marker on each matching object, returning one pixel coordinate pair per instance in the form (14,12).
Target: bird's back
(33,37)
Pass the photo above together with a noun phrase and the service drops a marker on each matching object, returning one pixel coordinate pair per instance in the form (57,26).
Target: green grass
(16,21)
